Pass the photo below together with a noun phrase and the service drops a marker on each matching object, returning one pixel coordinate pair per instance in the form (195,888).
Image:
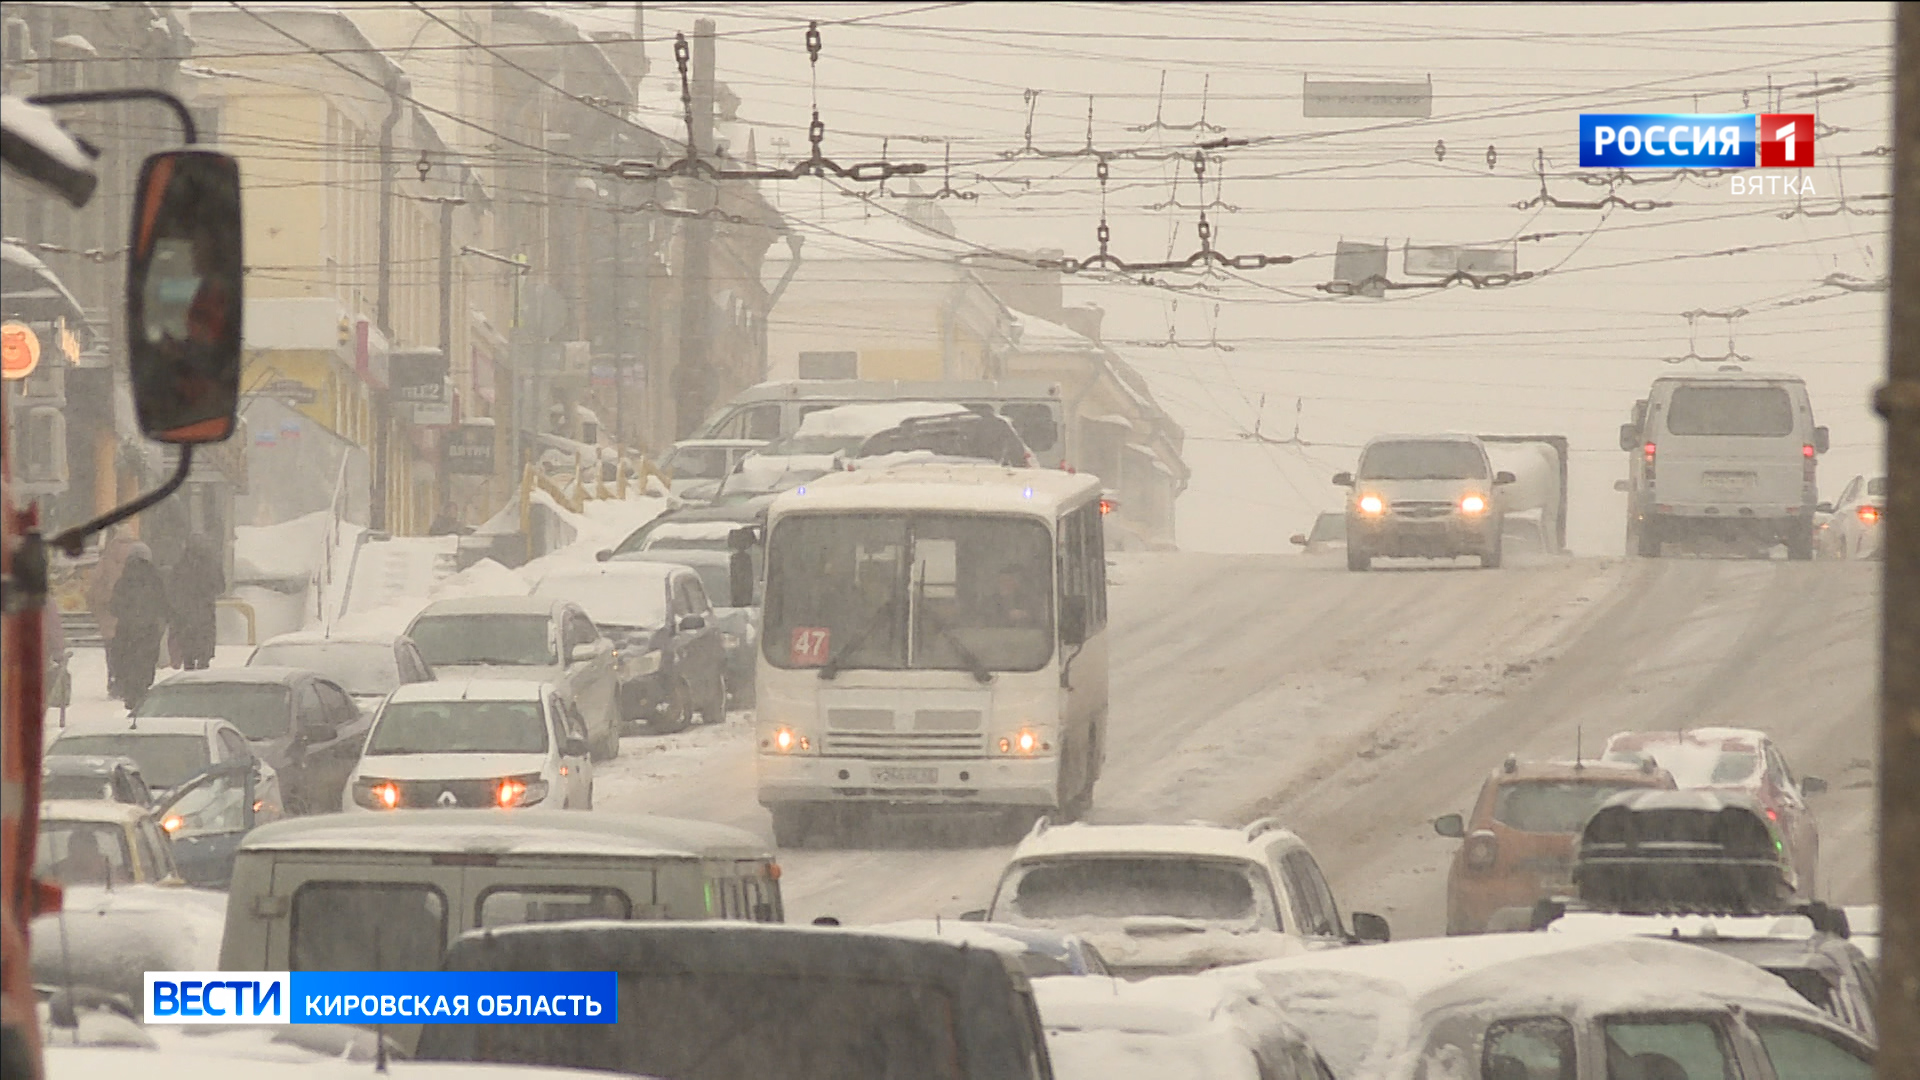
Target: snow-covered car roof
(1207,841)
(1693,756)
(493,605)
(1432,436)
(257,675)
(970,487)
(1648,773)
(471,690)
(1614,924)
(322,637)
(871,418)
(509,832)
(1743,738)
(143,725)
(88,1063)
(93,811)
(696,530)
(720,444)
(1729,376)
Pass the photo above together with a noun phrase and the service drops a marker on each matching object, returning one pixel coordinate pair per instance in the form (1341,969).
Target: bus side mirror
(603,555)
(740,579)
(1370,927)
(184,293)
(1820,442)
(1073,620)
(1451,826)
(1629,437)
(1298,539)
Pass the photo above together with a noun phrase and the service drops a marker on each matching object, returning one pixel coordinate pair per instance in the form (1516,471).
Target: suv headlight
(372,793)
(1473,504)
(525,790)
(1372,505)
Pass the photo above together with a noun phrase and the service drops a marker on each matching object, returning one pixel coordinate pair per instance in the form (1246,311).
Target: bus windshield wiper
(980,671)
(880,615)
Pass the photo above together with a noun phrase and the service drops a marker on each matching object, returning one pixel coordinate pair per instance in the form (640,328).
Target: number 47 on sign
(809,646)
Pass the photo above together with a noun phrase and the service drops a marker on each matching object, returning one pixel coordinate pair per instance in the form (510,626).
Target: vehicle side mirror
(603,554)
(1504,477)
(184,291)
(575,746)
(1820,443)
(1073,620)
(979,915)
(1451,826)
(1343,479)
(1812,785)
(1823,508)
(1629,437)
(1298,539)
(742,538)
(1370,927)
(583,652)
(692,623)
(1622,485)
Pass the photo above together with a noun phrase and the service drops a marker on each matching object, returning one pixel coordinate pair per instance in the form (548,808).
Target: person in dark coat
(140,607)
(196,582)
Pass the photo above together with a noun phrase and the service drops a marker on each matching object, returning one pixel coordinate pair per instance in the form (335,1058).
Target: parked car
(1180,1027)
(170,752)
(1520,837)
(107,938)
(669,656)
(1329,535)
(738,617)
(94,842)
(367,666)
(1852,525)
(1041,953)
(473,744)
(736,1000)
(304,727)
(76,776)
(701,528)
(827,437)
(1738,760)
(965,435)
(1822,966)
(537,638)
(698,465)
(1174,899)
(1550,1005)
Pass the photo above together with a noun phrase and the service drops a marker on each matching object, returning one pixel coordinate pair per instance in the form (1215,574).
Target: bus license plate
(883,775)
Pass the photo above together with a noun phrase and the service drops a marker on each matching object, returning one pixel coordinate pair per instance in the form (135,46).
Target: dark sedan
(305,727)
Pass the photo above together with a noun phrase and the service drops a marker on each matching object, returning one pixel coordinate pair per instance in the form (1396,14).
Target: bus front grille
(904,745)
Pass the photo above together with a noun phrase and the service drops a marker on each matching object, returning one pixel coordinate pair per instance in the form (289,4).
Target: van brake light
(1806,450)
(1649,450)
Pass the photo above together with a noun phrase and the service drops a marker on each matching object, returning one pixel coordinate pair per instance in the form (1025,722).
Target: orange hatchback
(1520,837)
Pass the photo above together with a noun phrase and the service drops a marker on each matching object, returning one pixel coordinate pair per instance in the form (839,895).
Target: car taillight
(1648,452)
(1869,514)
(1481,851)
(1807,450)
(1807,460)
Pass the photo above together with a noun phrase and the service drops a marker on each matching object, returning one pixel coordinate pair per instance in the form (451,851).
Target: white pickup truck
(1443,496)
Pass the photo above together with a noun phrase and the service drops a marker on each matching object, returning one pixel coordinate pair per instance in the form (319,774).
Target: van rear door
(1731,444)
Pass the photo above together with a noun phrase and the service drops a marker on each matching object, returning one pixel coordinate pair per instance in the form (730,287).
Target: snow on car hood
(448,766)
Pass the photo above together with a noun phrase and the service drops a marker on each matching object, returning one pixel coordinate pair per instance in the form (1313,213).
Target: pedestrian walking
(139,608)
(106,576)
(196,583)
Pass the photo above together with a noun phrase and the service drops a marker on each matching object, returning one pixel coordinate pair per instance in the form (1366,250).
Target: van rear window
(359,926)
(1755,411)
(507,906)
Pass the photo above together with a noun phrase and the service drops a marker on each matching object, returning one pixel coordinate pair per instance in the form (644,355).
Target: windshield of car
(484,639)
(364,668)
(708,1025)
(1328,527)
(611,599)
(1756,411)
(83,853)
(1697,765)
(893,591)
(261,711)
(458,727)
(1551,806)
(1434,459)
(1122,886)
(76,786)
(696,463)
(165,760)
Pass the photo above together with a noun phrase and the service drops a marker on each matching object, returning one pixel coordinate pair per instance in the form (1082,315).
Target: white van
(1725,457)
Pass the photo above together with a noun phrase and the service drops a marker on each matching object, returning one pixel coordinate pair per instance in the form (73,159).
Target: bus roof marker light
(801,490)
(1028,493)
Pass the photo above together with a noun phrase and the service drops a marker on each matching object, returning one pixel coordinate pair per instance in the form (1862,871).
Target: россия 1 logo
(1702,141)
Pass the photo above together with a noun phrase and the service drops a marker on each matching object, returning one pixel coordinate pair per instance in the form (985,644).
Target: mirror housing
(582,653)
(1451,826)
(185,284)
(1370,927)
(1073,620)
(1298,539)
(1622,485)
(692,623)
(1343,479)
(1823,508)
(742,538)
(740,578)
(1812,785)
(1820,440)
(603,555)
(1629,437)
(575,747)
(979,915)
(1504,477)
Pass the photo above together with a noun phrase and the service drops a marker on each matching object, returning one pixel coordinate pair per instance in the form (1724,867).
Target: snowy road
(1358,707)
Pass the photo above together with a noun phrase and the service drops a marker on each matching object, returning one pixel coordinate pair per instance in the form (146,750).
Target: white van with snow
(1726,456)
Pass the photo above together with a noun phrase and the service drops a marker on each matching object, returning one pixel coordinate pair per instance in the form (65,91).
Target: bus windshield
(897,591)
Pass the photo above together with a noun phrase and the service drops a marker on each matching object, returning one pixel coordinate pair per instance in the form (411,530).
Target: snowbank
(484,578)
(291,549)
(602,524)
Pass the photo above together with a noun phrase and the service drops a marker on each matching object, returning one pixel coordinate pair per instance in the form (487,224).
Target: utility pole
(397,90)
(693,376)
(1899,402)
(447,206)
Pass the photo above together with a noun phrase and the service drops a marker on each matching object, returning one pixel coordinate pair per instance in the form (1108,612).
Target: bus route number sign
(809,648)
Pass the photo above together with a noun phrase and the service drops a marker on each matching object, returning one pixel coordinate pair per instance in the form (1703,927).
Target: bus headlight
(1473,504)
(1024,743)
(1372,505)
(785,740)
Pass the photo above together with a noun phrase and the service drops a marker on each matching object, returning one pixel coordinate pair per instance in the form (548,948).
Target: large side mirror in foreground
(184,293)
(1370,927)
(1451,826)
